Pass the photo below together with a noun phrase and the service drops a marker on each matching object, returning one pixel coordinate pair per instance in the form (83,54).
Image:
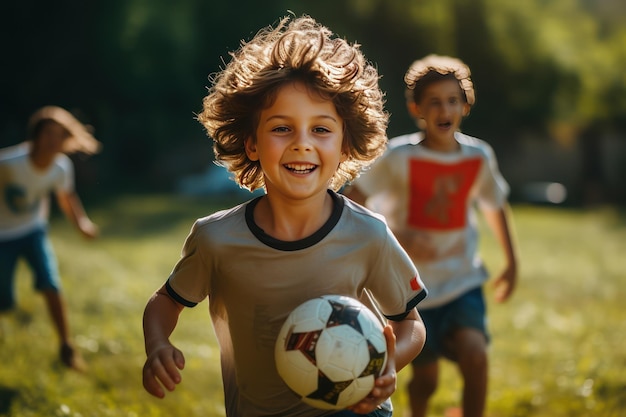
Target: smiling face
(442,107)
(298,144)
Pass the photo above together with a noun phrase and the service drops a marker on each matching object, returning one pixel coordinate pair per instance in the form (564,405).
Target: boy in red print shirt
(427,185)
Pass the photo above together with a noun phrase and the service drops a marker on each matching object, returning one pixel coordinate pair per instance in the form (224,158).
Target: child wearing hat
(29,173)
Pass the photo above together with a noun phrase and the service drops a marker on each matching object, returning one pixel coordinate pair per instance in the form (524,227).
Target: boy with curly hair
(426,185)
(296,112)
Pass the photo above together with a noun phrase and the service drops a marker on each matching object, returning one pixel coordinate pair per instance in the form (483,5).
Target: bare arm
(410,337)
(405,340)
(163,360)
(72,207)
(498,222)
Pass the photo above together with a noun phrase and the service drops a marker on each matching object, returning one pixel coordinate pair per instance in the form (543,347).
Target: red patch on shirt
(415,285)
(438,193)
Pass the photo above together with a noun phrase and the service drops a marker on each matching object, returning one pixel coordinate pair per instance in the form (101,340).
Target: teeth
(300,168)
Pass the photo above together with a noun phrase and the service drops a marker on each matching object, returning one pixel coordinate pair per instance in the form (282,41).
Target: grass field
(559,347)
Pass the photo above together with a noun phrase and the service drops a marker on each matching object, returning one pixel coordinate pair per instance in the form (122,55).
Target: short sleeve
(494,189)
(65,181)
(189,281)
(395,282)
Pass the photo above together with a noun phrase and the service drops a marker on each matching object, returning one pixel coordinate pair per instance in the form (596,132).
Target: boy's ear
(414,109)
(251,152)
(466,109)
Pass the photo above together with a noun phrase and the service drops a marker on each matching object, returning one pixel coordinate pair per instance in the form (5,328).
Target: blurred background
(549,76)
(551,99)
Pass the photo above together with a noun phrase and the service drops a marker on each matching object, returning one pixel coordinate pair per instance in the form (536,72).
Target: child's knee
(473,356)
(47,288)
(467,342)
(424,382)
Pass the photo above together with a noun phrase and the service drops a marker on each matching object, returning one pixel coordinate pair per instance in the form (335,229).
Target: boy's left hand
(505,284)
(88,229)
(385,385)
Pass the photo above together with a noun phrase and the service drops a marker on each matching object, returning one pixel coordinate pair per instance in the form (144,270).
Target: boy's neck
(286,221)
(41,160)
(446,146)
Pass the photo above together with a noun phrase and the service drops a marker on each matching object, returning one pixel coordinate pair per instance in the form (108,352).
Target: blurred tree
(535,63)
(137,69)
(48,58)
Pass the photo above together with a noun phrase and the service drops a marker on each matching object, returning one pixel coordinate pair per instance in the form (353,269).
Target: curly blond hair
(433,68)
(297,49)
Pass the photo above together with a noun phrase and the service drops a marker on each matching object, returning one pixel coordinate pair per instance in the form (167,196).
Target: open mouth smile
(301,168)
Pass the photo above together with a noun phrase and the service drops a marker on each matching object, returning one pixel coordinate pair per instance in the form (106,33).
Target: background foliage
(137,69)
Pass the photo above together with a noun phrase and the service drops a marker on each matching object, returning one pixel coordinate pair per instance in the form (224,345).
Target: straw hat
(81,139)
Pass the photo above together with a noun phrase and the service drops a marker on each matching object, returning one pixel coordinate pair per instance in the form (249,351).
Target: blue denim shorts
(384,410)
(36,250)
(468,310)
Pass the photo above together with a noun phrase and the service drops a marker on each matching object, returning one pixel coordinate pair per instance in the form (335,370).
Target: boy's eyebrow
(437,97)
(321,116)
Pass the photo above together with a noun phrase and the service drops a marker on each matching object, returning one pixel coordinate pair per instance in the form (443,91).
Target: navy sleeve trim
(409,306)
(177,297)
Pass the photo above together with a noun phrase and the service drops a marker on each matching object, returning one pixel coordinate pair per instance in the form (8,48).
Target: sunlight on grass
(557,350)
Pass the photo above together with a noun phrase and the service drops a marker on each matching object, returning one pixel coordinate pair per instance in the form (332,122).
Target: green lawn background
(559,346)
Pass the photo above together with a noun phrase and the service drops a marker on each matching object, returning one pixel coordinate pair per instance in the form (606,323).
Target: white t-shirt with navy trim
(254,281)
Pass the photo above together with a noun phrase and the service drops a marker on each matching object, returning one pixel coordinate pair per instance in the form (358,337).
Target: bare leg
(422,386)
(470,349)
(58,313)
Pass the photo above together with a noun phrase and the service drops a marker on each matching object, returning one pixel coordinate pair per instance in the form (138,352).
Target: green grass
(558,346)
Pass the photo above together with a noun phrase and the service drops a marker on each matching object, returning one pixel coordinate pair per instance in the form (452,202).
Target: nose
(301,141)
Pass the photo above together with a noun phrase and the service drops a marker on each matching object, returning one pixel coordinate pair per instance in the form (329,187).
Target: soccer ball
(329,351)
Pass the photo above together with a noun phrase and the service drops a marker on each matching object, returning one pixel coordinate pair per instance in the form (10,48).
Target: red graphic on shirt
(438,193)
(415,285)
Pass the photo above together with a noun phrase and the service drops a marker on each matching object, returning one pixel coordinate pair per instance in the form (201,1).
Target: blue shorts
(37,251)
(468,310)
(384,410)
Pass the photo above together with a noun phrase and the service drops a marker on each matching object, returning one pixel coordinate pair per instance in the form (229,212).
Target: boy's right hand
(162,368)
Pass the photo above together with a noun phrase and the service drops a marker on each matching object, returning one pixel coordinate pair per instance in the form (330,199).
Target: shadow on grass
(7,395)
(612,394)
